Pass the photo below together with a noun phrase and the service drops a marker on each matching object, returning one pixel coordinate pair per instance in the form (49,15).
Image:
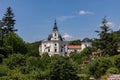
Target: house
(73,48)
(86,42)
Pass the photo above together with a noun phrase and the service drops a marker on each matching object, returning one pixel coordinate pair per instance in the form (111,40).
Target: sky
(76,19)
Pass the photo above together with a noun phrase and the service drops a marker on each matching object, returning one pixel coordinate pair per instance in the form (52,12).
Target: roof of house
(74,46)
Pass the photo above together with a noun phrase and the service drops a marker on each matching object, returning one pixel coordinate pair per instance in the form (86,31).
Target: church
(55,44)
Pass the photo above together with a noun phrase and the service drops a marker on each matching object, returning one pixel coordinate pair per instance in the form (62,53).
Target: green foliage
(35,63)
(75,42)
(86,52)
(5,51)
(15,60)
(108,40)
(99,66)
(8,21)
(3,70)
(76,57)
(104,77)
(33,48)
(62,69)
(117,61)
(21,67)
(112,70)
(6,24)
(1,58)
(117,33)
(92,67)
(104,64)
(83,76)
(16,43)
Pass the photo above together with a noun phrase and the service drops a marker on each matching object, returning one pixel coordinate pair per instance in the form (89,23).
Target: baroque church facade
(55,44)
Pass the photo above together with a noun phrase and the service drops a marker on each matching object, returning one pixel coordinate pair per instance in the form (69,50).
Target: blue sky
(76,19)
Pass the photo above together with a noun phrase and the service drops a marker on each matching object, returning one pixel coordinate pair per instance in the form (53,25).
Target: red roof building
(74,48)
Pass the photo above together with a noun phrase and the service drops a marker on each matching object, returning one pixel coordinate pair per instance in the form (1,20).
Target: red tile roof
(74,47)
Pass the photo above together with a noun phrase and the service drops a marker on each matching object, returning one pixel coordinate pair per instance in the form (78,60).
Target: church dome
(60,37)
(49,37)
(55,35)
(86,40)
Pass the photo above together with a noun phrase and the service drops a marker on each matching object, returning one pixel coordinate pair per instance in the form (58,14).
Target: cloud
(111,24)
(83,12)
(63,18)
(67,36)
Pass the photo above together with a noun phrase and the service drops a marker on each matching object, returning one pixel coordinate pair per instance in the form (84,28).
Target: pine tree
(6,27)
(8,20)
(7,24)
(107,42)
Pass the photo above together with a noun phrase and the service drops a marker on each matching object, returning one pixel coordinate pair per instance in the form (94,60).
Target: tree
(8,21)
(6,26)
(116,60)
(16,43)
(75,42)
(3,70)
(117,33)
(86,52)
(33,49)
(92,67)
(112,70)
(76,57)
(15,60)
(107,42)
(62,69)
(99,66)
(1,33)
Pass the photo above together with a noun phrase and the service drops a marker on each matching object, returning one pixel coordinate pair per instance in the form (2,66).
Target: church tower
(54,44)
(55,34)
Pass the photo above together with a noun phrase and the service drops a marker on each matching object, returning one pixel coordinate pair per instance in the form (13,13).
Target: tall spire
(55,26)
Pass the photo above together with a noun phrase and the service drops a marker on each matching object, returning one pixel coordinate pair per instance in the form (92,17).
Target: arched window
(55,44)
(55,50)
(55,34)
(45,45)
(61,50)
(48,50)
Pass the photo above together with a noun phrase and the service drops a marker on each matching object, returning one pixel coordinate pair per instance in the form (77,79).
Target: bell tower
(55,44)
(55,33)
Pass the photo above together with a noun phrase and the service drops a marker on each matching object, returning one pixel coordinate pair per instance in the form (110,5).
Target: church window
(55,44)
(65,53)
(55,34)
(48,50)
(75,50)
(45,45)
(55,50)
(61,50)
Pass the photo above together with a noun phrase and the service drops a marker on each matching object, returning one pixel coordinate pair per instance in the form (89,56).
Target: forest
(20,60)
